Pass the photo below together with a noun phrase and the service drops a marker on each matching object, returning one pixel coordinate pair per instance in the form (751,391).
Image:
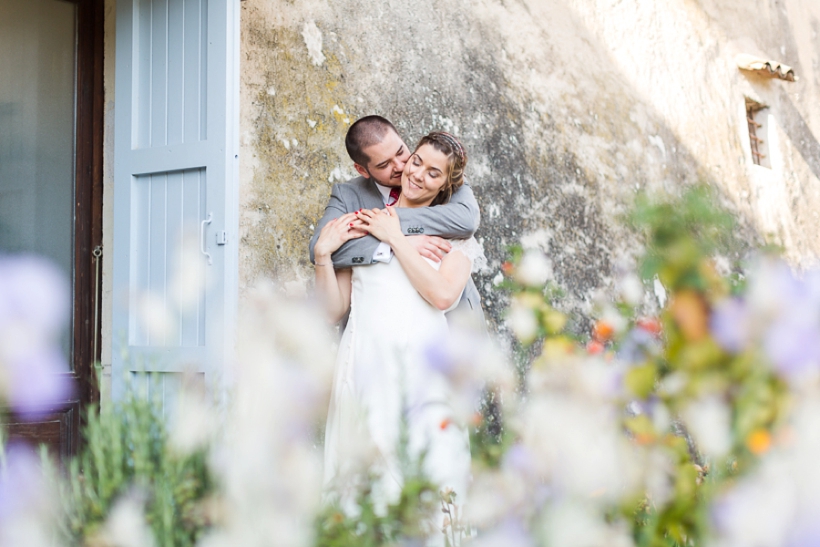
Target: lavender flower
(730,325)
(511,533)
(637,346)
(34,306)
(793,346)
(520,460)
(28,510)
(21,482)
(33,291)
(37,379)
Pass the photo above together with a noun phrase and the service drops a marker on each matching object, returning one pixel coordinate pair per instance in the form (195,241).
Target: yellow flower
(759,441)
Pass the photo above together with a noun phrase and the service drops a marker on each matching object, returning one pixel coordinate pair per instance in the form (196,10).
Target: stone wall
(567,108)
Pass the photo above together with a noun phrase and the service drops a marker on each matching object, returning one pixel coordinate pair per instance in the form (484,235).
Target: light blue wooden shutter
(175,197)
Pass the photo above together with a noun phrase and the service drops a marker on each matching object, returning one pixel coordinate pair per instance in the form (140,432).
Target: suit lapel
(371,197)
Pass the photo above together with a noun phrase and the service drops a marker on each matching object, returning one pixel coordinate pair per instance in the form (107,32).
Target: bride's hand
(335,233)
(383,224)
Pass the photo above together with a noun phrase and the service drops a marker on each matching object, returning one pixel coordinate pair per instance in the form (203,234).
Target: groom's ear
(362,170)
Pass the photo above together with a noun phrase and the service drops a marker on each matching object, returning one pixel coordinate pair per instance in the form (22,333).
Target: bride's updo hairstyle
(450,146)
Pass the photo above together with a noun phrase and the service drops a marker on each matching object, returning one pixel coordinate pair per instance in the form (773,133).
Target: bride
(383,386)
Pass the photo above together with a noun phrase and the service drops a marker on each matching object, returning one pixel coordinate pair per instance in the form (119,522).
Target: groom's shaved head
(363,133)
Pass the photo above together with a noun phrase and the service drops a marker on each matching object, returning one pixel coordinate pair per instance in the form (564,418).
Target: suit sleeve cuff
(383,253)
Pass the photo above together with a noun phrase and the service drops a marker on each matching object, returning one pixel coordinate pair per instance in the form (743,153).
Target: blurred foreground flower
(472,363)
(534,269)
(779,316)
(34,308)
(690,425)
(269,462)
(28,508)
(779,503)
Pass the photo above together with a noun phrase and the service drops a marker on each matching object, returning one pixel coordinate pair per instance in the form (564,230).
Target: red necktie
(394,196)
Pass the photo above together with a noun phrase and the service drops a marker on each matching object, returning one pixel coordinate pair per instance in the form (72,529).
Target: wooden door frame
(88,193)
(59,424)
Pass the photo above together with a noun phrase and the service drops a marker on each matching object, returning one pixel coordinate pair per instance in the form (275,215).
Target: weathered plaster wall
(566,108)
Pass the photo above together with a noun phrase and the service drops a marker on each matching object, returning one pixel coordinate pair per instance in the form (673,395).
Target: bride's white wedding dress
(383,382)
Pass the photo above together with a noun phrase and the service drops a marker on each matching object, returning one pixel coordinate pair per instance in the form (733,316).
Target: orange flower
(691,315)
(507,268)
(759,441)
(603,331)
(445,423)
(594,347)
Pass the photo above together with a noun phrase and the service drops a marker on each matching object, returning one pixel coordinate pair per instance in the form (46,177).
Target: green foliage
(375,526)
(680,232)
(127,454)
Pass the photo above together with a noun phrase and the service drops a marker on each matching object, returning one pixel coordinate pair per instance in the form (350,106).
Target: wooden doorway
(56,47)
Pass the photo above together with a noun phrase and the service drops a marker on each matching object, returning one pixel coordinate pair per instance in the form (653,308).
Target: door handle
(202,237)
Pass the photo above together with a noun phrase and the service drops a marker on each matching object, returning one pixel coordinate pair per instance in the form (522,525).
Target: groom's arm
(457,219)
(354,252)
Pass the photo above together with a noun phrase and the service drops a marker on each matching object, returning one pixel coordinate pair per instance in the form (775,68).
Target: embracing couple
(394,252)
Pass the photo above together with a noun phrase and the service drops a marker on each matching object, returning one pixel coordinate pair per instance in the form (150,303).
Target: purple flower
(510,533)
(22,486)
(637,345)
(439,356)
(519,459)
(793,345)
(730,325)
(35,292)
(37,379)
(34,305)
(806,532)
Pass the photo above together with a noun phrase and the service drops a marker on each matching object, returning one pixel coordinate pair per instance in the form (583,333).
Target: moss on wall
(299,117)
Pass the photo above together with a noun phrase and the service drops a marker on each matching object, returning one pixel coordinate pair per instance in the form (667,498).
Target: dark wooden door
(51,181)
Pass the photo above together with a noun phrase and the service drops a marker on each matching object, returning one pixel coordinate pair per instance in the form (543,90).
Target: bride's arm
(442,287)
(334,286)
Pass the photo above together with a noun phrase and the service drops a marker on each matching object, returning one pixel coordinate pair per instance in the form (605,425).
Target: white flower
(759,510)
(188,280)
(631,289)
(577,525)
(614,318)
(495,495)
(722,265)
(534,270)
(193,420)
(155,318)
(658,470)
(521,319)
(268,461)
(126,526)
(709,421)
(578,446)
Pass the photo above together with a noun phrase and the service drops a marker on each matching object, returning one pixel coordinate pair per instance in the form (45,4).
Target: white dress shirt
(383,252)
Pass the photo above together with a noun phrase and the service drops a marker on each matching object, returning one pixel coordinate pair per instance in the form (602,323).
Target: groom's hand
(432,247)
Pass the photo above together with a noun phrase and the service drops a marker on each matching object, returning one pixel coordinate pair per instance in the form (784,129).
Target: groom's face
(387,160)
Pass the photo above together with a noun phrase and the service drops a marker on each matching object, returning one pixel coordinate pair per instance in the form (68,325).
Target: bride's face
(424,175)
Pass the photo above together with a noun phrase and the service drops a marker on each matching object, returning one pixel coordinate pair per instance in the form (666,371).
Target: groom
(379,155)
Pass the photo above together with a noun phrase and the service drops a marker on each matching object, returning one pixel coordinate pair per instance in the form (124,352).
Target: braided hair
(450,146)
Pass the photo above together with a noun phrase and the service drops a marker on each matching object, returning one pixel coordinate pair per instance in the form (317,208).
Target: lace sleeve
(473,250)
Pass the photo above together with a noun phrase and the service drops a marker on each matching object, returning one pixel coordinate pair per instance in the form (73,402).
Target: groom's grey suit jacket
(457,219)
